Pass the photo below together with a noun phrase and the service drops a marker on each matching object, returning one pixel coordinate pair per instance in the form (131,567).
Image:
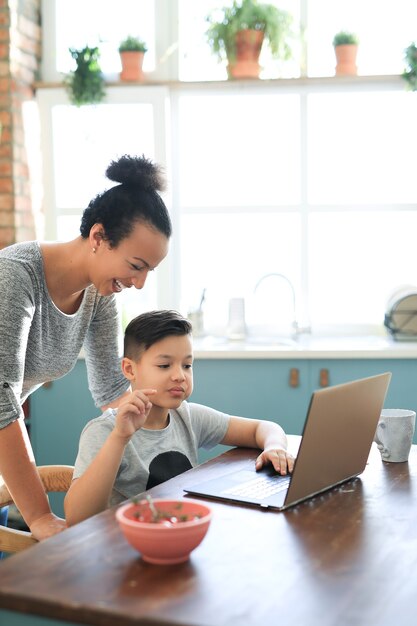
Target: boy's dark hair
(135,199)
(146,329)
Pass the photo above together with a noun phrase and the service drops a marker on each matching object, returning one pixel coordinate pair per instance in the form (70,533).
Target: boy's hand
(282,460)
(132,412)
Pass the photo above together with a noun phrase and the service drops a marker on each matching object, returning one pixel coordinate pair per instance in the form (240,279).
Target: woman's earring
(94,250)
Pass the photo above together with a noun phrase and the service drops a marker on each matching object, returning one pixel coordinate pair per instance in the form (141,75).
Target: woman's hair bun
(137,171)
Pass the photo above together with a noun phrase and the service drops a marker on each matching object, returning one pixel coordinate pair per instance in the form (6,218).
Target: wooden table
(347,557)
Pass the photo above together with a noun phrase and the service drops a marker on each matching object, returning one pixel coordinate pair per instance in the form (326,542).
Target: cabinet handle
(294,377)
(324,377)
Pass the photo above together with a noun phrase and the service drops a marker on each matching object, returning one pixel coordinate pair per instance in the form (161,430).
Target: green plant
(132,44)
(410,72)
(249,14)
(85,84)
(344,37)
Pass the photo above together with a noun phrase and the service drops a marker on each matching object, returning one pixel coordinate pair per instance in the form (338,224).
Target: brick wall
(20,51)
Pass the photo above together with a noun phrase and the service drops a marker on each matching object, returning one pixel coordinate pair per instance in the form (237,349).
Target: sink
(270,341)
(306,342)
(254,340)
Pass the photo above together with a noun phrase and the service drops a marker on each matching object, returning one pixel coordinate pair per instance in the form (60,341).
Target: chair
(55,478)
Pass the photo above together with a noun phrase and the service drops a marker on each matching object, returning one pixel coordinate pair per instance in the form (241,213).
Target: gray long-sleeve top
(39,343)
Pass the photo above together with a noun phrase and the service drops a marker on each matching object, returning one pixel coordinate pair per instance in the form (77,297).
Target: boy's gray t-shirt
(39,343)
(153,456)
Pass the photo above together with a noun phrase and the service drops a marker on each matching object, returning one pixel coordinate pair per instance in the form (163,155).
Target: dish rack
(401,314)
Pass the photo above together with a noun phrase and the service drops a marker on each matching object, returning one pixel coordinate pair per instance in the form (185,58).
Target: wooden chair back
(55,478)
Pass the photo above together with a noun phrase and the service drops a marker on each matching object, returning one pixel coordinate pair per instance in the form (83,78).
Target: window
(384,29)
(311,177)
(76,23)
(196,62)
(238,189)
(80,143)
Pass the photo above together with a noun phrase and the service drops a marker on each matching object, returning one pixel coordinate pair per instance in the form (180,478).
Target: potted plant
(132,50)
(346,49)
(410,72)
(85,84)
(237,33)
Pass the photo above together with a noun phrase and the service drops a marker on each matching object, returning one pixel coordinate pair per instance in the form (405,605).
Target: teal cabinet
(12,618)
(273,389)
(259,389)
(58,413)
(262,388)
(254,388)
(402,392)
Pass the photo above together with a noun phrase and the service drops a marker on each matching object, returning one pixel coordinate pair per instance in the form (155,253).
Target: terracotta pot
(248,48)
(132,62)
(346,59)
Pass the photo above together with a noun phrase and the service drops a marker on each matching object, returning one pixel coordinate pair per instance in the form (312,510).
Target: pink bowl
(164,544)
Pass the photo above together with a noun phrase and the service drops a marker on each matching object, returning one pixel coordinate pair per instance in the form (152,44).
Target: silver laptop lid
(338,435)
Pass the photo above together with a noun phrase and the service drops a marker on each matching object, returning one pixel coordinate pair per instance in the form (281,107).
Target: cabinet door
(254,388)
(336,371)
(59,411)
(402,392)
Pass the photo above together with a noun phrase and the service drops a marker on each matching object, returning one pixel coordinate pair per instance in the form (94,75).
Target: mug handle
(379,440)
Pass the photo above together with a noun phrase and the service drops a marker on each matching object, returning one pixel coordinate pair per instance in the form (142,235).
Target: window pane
(137,301)
(239,150)
(31,137)
(96,135)
(228,254)
(385,28)
(196,60)
(103,24)
(68,227)
(362,147)
(356,260)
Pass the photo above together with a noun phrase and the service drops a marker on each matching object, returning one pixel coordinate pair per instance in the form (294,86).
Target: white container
(197,320)
(236,327)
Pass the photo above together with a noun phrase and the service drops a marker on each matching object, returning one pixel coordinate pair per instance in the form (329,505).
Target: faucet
(296,328)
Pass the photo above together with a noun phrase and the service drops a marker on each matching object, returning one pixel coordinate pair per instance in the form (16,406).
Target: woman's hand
(282,460)
(46,526)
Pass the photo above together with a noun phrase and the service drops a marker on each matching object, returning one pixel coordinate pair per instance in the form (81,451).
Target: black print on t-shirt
(166,466)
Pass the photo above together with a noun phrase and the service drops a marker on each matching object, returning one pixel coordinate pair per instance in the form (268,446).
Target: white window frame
(166,48)
(303,87)
(158,98)
(165,100)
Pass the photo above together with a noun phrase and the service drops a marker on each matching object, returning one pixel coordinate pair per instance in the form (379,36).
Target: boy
(155,433)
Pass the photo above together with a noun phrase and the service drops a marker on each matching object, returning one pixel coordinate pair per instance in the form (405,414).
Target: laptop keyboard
(260,487)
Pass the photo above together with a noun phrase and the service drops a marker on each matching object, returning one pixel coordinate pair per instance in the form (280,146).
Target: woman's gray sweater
(40,343)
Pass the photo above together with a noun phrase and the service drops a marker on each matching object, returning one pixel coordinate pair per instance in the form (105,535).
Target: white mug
(394,434)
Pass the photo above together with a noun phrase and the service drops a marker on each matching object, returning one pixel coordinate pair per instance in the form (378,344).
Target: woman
(57,297)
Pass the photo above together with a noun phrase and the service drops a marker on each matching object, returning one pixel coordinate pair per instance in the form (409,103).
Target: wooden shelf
(359,81)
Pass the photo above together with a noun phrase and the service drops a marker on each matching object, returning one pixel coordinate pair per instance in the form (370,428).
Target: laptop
(336,441)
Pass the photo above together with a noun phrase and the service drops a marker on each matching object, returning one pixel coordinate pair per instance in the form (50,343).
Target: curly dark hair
(135,199)
(149,328)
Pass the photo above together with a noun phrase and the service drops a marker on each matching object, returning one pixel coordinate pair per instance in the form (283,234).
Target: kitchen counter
(305,347)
